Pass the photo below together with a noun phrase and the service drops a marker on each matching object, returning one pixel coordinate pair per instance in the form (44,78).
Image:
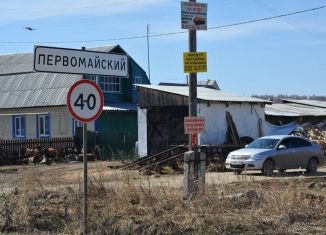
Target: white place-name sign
(64,60)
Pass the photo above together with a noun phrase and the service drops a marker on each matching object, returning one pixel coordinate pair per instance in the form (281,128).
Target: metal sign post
(85,103)
(85,99)
(85,178)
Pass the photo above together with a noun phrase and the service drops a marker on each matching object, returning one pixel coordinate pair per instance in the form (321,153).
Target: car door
(302,152)
(284,157)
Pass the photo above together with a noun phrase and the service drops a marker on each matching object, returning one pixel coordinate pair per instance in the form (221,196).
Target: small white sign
(64,60)
(194,15)
(85,101)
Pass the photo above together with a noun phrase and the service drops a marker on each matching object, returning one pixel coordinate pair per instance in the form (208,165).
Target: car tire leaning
(312,166)
(268,167)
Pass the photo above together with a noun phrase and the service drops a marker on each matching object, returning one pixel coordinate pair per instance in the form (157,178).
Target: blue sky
(280,56)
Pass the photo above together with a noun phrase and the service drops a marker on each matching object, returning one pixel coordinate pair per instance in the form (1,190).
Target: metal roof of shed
(206,94)
(294,110)
(315,103)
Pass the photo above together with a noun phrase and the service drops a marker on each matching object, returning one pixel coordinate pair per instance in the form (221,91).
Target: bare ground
(48,199)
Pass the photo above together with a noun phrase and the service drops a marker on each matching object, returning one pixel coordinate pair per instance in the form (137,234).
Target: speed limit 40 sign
(85,101)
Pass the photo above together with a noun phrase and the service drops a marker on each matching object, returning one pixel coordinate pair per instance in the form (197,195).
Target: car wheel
(312,166)
(238,172)
(268,167)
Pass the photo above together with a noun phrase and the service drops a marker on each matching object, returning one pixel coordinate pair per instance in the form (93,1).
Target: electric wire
(170,33)
(300,28)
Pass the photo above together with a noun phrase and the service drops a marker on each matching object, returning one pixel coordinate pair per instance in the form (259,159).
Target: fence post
(189,174)
(202,169)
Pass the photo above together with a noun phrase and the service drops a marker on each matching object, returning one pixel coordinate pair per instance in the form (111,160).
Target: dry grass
(122,207)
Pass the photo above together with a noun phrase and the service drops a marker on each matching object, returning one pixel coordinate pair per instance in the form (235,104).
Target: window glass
(44,125)
(92,78)
(19,127)
(110,84)
(263,143)
(286,143)
(137,80)
(297,143)
(75,124)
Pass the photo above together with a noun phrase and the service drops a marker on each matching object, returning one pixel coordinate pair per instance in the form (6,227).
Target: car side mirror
(281,147)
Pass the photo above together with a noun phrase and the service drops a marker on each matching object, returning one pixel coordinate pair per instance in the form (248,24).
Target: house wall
(60,121)
(243,114)
(117,130)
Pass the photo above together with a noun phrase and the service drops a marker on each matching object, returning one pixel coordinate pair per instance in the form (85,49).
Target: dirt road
(61,175)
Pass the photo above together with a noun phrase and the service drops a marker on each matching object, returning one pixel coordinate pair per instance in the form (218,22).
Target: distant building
(290,110)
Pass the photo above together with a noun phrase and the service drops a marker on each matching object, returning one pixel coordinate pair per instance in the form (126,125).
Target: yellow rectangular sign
(194,62)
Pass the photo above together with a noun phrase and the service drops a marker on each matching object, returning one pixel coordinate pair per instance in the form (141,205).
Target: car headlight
(257,156)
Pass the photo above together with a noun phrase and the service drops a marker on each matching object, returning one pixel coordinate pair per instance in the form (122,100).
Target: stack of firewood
(317,133)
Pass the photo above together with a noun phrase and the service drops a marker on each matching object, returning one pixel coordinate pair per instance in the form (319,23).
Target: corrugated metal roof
(206,94)
(35,89)
(316,103)
(16,63)
(120,107)
(23,63)
(22,87)
(293,110)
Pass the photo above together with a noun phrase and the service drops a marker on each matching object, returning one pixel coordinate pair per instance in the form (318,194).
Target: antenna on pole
(148,61)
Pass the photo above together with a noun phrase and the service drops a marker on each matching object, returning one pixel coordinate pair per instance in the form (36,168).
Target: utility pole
(193,96)
(148,62)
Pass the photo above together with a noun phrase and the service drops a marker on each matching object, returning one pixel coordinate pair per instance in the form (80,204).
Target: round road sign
(85,100)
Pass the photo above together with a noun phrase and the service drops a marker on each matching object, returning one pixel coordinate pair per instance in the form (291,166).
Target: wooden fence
(12,151)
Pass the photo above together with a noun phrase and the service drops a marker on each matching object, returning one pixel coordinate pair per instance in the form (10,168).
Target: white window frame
(110,83)
(19,132)
(43,117)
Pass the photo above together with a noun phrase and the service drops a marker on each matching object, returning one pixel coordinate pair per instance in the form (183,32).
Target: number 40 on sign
(85,101)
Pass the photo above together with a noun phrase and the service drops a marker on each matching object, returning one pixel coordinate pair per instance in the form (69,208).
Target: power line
(167,34)
(300,28)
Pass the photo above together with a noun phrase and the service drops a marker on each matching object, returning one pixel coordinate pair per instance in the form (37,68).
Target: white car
(279,152)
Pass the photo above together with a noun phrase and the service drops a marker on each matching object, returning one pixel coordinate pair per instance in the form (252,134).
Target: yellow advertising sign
(194,62)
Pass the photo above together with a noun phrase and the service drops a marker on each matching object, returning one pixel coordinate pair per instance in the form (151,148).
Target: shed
(290,110)
(162,110)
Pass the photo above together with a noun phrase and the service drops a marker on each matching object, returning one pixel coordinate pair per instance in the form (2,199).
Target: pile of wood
(317,133)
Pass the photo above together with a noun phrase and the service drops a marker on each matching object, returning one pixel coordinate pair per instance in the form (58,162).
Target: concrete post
(202,170)
(189,174)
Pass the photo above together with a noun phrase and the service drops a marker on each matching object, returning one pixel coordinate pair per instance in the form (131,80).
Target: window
(43,125)
(75,124)
(137,80)
(298,143)
(19,127)
(111,84)
(287,143)
(92,78)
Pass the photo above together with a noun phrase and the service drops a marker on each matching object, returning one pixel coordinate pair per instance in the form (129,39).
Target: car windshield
(263,144)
